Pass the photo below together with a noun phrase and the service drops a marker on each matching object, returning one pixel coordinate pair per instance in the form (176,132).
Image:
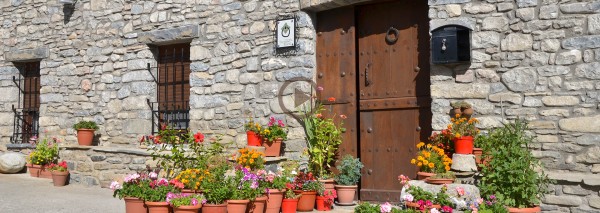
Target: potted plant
(464,131)
(85,132)
(307,185)
(216,190)
(489,205)
(430,160)
(325,200)
(274,135)
(347,179)
(275,185)
(60,173)
(253,131)
(191,179)
(132,191)
(185,203)
(513,175)
(155,194)
(289,203)
(250,159)
(441,178)
(246,188)
(45,153)
(455,108)
(417,198)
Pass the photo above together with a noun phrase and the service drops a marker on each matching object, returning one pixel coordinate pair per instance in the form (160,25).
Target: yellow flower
(425,162)
(419,164)
(457,135)
(413,161)
(447,168)
(431,165)
(429,146)
(420,158)
(419,145)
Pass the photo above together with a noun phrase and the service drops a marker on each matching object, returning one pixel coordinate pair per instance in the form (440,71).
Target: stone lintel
(170,36)
(317,6)
(462,21)
(36,54)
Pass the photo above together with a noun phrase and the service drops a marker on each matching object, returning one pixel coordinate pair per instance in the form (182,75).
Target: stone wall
(97,54)
(537,60)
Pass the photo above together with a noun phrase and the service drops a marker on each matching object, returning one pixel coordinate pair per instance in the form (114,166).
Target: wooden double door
(374,59)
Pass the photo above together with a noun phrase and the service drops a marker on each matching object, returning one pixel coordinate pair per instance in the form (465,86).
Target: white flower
(408,197)
(153,175)
(434,210)
(294,173)
(115,185)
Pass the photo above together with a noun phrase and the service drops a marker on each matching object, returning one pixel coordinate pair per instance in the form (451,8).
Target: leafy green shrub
(45,152)
(85,125)
(366,207)
(513,175)
(349,168)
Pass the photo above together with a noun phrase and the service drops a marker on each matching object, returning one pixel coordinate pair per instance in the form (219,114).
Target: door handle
(367,81)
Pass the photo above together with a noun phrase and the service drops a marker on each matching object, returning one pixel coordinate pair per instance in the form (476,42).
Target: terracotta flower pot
(439,181)
(254,139)
(463,145)
(455,111)
(306,203)
(345,194)
(257,205)
(477,152)
(158,207)
(273,148)
(134,205)
(34,170)
(60,178)
(85,137)
(187,209)
(288,205)
(187,191)
(322,204)
(237,206)
(525,210)
(467,112)
(214,208)
(274,200)
(329,184)
(45,173)
(424,175)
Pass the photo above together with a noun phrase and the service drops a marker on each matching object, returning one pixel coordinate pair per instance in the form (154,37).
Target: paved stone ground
(22,193)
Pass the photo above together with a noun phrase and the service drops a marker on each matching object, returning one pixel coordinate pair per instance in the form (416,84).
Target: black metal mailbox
(451,44)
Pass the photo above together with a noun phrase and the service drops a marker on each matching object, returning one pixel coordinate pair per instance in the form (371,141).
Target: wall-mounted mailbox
(451,44)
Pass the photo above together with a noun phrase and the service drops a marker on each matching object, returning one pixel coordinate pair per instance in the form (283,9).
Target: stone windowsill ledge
(133,151)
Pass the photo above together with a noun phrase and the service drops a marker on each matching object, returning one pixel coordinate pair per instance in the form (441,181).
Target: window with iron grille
(27,112)
(173,88)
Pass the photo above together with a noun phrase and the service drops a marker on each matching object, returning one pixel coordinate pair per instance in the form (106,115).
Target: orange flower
(331,99)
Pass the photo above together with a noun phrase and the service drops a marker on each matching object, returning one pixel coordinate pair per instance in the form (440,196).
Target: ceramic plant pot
(306,202)
(60,178)
(158,207)
(85,137)
(275,197)
(254,138)
(345,194)
(237,206)
(34,170)
(273,148)
(424,175)
(187,209)
(214,208)
(463,145)
(525,210)
(134,205)
(257,205)
(289,205)
(322,205)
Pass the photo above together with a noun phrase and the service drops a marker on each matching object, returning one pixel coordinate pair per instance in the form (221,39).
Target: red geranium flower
(331,99)
(198,137)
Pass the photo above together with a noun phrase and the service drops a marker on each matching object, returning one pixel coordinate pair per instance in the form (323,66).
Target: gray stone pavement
(20,193)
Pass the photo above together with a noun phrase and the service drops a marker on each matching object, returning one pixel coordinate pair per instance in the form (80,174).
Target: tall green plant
(324,138)
(513,175)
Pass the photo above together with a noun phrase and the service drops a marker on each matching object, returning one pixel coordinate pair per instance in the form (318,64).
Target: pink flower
(343,116)
(408,197)
(434,210)
(319,88)
(403,179)
(280,123)
(386,207)
(194,201)
(153,175)
(115,185)
(447,209)
(460,191)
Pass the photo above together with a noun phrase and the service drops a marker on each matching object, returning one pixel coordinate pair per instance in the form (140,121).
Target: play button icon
(300,97)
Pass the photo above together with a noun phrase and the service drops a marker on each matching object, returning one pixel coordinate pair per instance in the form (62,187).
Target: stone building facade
(533,59)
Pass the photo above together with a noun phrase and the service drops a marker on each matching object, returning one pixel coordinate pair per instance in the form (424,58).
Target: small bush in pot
(513,175)
(85,132)
(347,179)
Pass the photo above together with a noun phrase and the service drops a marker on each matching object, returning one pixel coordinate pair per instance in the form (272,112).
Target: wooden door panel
(336,70)
(387,141)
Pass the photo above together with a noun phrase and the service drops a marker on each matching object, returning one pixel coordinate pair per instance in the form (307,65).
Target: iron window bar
(25,124)
(176,115)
